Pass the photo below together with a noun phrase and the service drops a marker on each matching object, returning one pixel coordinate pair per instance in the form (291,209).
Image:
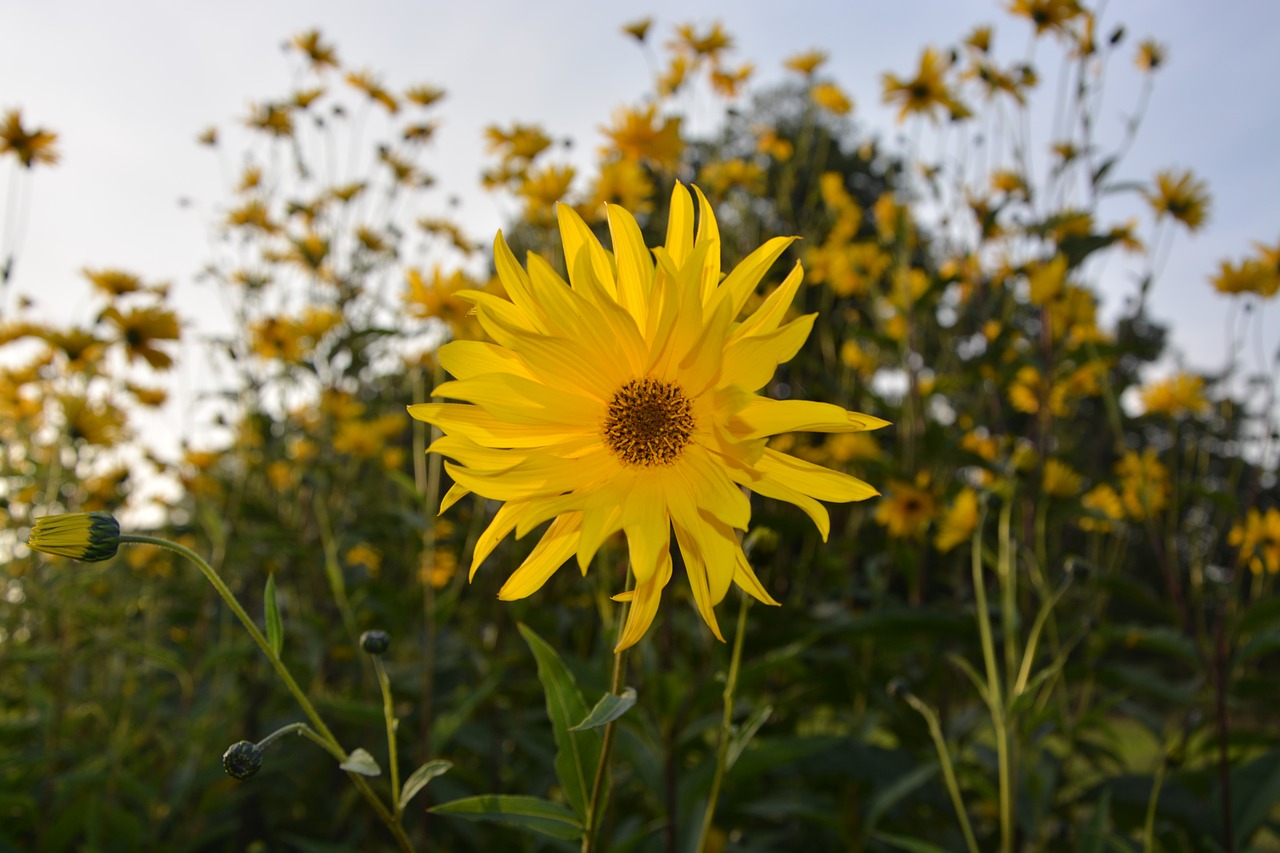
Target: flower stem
(948,771)
(726,725)
(599,786)
(321,729)
(389,715)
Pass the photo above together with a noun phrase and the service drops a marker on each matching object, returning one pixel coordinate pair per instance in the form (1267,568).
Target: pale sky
(128,86)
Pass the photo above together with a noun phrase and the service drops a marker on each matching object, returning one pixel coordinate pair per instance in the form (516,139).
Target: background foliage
(1060,613)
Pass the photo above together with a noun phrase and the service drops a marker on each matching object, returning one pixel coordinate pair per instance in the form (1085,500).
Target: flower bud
(242,760)
(86,536)
(375,642)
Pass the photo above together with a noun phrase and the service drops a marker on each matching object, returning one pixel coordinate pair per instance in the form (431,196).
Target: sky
(129,86)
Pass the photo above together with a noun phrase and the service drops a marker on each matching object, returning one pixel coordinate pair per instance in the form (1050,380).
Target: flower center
(649,422)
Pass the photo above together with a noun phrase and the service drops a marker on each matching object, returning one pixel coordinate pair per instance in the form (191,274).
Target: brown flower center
(649,422)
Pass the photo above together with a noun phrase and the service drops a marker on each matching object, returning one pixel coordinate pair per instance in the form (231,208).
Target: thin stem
(726,724)
(334,748)
(1149,825)
(389,715)
(300,729)
(599,785)
(948,772)
(995,703)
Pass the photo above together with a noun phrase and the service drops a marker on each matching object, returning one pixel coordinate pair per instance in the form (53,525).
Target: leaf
(610,707)
(531,813)
(576,752)
(362,763)
(275,627)
(902,842)
(1255,788)
(745,733)
(1093,838)
(896,791)
(420,777)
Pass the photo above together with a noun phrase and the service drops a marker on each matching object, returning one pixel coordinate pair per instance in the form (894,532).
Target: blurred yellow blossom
(906,509)
(1178,395)
(30,147)
(1060,480)
(1181,197)
(831,98)
(644,135)
(806,62)
(1257,540)
(958,521)
(1144,483)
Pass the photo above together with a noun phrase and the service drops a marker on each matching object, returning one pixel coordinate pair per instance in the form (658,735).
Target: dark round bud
(242,760)
(1117,35)
(897,688)
(375,642)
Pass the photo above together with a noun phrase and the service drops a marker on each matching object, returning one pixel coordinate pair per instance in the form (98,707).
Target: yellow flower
(979,39)
(1105,507)
(720,176)
(1059,480)
(29,146)
(1258,541)
(958,522)
(907,509)
(423,95)
(638,30)
(1046,279)
(87,536)
(141,329)
(366,439)
(622,182)
(1178,395)
(113,282)
(440,227)
(729,84)
(320,55)
(709,45)
(274,119)
(1151,55)
(1248,276)
(438,297)
(522,142)
(807,62)
(365,555)
(924,93)
(1047,14)
(1144,483)
(626,400)
(777,147)
(1180,196)
(542,189)
(641,135)
(364,81)
(831,98)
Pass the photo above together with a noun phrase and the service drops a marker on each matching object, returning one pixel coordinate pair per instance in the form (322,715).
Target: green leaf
(275,627)
(577,753)
(532,813)
(896,791)
(1093,838)
(421,777)
(361,762)
(745,733)
(902,842)
(610,707)
(1255,788)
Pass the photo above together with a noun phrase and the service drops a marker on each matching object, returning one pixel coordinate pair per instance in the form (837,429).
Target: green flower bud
(87,536)
(242,760)
(375,642)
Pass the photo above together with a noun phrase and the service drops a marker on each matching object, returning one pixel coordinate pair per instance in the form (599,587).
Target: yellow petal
(746,579)
(751,361)
(516,283)
(709,234)
(742,281)
(635,266)
(556,546)
(504,521)
(584,256)
(523,401)
(483,428)
(644,603)
(644,518)
(764,417)
(773,310)
(467,359)
(680,225)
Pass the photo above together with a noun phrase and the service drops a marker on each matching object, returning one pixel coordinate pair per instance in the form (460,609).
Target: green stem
(1149,825)
(321,729)
(948,771)
(599,785)
(389,715)
(995,704)
(726,724)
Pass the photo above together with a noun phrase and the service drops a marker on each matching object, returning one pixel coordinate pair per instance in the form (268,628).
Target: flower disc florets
(649,422)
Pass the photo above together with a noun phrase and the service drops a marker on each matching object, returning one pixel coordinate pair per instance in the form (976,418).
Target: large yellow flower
(626,399)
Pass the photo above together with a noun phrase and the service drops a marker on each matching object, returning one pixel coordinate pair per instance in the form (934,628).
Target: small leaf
(745,733)
(421,777)
(275,627)
(361,762)
(610,707)
(530,813)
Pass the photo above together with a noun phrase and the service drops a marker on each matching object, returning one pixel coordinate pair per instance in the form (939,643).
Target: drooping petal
(644,603)
(751,361)
(746,580)
(556,546)
(742,280)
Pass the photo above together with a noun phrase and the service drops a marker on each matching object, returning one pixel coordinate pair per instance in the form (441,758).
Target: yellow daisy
(627,399)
